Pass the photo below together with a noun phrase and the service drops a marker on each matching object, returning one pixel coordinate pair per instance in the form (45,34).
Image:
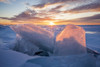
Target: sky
(43,12)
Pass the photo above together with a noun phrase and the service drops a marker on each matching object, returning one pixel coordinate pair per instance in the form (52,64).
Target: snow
(30,65)
(31,38)
(84,60)
(36,35)
(9,58)
(25,46)
(98,61)
(7,35)
(70,48)
(71,41)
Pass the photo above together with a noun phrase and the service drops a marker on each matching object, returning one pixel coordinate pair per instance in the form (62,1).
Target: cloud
(56,9)
(65,6)
(6,1)
(27,16)
(4,18)
(94,17)
(51,8)
(22,16)
(50,2)
(90,19)
(30,15)
(90,7)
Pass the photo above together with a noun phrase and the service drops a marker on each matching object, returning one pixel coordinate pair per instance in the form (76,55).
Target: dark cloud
(56,9)
(90,19)
(4,18)
(87,6)
(91,7)
(50,2)
(94,17)
(27,16)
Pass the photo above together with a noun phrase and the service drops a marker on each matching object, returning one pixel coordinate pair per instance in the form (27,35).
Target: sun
(51,23)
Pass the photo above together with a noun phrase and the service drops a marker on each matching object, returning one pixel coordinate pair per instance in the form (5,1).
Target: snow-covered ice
(71,41)
(35,35)
(84,60)
(31,38)
(28,64)
(7,37)
(9,58)
(24,46)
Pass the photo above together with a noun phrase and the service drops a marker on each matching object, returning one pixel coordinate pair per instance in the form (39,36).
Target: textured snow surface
(71,41)
(24,46)
(7,35)
(64,61)
(9,58)
(36,35)
(28,64)
(31,38)
(98,61)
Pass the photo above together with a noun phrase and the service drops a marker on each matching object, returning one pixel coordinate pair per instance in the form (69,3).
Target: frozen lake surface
(7,35)
(10,58)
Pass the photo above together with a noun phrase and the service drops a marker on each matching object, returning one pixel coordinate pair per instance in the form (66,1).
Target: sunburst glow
(51,23)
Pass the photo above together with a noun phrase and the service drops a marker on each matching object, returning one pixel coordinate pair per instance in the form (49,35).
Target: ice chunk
(36,35)
(71,41)
(84,60)
(24,46)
